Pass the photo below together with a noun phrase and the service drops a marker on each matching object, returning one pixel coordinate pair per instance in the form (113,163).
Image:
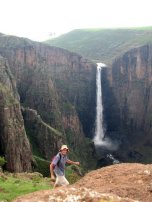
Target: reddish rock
(116,183)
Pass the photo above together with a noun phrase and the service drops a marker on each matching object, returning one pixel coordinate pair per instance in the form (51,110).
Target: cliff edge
(122,182)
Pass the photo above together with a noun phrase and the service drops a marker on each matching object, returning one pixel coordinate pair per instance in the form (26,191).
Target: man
(57,166)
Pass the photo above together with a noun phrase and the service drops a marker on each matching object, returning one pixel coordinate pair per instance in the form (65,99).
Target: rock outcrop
(127,94)
(127,180)
(116,183)
(60,86)
(72,195)
(14,144)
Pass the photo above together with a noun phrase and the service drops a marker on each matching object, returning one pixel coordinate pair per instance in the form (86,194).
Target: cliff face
(13,141)
(127,93)
(47,76)
(60,87)
(44,139)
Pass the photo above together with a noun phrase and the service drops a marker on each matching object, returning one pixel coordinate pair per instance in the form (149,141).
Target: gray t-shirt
(59,167)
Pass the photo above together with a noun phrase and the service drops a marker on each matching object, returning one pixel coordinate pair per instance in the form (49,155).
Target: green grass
(12,187)
(103,44)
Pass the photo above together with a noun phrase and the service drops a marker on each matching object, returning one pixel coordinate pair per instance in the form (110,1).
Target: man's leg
(56,182)
(64,181)
(61,181)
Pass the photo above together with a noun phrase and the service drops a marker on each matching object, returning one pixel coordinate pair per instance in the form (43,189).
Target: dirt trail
(121,182)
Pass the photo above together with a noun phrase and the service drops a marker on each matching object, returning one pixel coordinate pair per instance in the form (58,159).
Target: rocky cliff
(14,144)
(45,145)
(127,94)
(60,87)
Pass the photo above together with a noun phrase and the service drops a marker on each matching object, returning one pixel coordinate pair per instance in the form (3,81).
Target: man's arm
(73,162)
(51,171)
(52,166)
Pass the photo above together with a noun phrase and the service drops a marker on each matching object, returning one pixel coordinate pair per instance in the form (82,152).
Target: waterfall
(99,133)
(100,141)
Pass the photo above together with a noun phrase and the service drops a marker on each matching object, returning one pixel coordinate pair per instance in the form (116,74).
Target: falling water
(100,140)
(99,135)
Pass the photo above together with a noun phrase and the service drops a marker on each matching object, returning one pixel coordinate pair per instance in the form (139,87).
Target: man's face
(64,151)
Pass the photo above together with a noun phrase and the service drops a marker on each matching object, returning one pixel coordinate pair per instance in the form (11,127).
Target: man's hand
(52,178)
(73,162)
(77,163)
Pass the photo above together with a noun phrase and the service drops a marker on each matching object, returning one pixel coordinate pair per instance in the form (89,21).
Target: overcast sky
(35,19)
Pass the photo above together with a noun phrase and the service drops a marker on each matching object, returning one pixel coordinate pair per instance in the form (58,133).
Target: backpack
(57,162)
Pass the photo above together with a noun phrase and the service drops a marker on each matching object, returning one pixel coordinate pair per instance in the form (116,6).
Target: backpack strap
(59,159)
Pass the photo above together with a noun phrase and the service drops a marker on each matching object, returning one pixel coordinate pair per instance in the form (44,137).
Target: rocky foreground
(122,182)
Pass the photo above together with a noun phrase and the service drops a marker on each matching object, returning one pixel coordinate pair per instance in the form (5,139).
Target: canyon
(48,97)
(56,95)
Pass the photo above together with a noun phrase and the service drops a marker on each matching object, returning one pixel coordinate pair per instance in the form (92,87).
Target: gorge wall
(127,97)
(13,140)
(57,94)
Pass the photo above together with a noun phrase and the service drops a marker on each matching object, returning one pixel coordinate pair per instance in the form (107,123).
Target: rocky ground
(121,182)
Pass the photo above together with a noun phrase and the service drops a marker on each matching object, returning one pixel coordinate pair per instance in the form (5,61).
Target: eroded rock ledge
(116,183)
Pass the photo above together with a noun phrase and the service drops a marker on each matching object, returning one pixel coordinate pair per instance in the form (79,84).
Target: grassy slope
(103,44)
(12,186)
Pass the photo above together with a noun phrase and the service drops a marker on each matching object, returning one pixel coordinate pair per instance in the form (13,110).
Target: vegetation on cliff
(103,45)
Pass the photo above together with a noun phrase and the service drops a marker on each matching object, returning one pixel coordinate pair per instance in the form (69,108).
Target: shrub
(73,173)
(2,161)
(42,166)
